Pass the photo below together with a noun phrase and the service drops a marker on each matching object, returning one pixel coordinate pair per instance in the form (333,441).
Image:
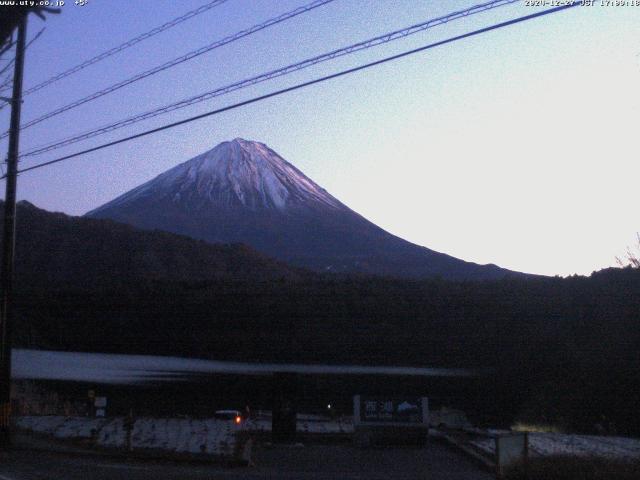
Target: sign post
(285,408)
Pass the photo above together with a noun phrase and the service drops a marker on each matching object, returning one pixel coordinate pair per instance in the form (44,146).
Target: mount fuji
(243,192)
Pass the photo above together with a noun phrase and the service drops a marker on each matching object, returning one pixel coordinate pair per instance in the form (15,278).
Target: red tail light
(238,419)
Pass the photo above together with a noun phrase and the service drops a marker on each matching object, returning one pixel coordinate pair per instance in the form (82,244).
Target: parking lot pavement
(317,462)
(433,461)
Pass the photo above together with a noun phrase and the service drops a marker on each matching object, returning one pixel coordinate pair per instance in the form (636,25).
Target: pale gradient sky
(518,147)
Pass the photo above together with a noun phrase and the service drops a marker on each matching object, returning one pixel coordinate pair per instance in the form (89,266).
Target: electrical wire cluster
(248,82)
(176,61)
(129,43)
(372,42)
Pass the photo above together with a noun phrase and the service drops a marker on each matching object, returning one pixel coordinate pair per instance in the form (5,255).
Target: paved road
(433,462)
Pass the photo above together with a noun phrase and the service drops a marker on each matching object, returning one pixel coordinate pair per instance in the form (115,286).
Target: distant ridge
(57,250)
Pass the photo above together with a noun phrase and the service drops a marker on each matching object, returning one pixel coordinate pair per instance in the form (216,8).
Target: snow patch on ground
(207,436)
(546,444)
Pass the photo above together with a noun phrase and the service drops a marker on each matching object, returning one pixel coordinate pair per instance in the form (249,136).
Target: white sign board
(399,411)
(511,449)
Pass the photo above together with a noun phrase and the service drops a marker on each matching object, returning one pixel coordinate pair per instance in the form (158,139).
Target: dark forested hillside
(54,249)
(563,351)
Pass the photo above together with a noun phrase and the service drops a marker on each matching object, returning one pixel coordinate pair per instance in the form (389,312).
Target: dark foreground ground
(318,462)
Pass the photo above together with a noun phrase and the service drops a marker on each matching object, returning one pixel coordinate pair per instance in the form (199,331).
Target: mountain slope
(242,191)
(53,249)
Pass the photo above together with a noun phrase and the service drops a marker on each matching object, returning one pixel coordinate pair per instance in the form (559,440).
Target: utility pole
(9,240)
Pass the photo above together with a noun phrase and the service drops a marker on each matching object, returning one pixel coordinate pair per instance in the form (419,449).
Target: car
(235,415)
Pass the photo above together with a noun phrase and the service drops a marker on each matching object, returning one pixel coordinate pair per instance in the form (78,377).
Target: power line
(176,61)
(125,45)
(303,85)
(379,40)
(7,66)
(7,47)
(6,81)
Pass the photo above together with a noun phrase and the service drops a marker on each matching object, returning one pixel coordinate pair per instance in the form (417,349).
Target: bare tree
(631,258)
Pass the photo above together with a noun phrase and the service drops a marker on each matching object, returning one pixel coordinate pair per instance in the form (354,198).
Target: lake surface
(137,369)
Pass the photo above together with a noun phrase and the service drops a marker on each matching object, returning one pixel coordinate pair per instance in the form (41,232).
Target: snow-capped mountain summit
(238,173)
(242,191)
